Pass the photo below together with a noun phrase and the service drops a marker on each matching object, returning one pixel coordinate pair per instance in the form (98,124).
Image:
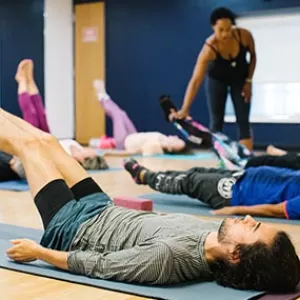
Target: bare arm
(24,250)
(251,46)
(267,210)
(248,41)
(205,56)
(54,257)
(131,265)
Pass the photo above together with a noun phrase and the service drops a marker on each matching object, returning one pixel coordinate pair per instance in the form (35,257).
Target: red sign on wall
(90,34)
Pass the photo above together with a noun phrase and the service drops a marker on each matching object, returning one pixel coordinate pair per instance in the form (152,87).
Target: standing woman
(223,60)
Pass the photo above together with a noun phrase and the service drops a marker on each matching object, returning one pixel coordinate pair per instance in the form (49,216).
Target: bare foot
(29,70)
(20,74)
(100,90)
(271,150)
(99,86)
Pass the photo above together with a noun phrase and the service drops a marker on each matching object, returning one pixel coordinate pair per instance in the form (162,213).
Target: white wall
(276,82)
(59,83)
(277,46)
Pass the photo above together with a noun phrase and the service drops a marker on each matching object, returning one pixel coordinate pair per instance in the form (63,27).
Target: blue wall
(21,36)
(152,47)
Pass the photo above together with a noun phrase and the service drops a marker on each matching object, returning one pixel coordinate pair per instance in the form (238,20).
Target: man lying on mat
(86,234)
(258,191)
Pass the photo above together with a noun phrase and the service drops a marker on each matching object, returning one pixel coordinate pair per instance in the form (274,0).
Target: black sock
(133,167)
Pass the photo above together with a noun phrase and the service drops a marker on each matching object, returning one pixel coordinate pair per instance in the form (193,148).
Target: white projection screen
(276,83)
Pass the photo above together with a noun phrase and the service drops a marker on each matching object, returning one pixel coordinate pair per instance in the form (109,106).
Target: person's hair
(94,163)
(183,151)
(222,13)
(273,268)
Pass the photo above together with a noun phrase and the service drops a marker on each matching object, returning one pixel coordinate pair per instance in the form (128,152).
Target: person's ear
(234,255)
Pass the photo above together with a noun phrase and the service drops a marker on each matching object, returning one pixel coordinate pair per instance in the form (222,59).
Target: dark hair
(94,163)
(222,13)
(274,268)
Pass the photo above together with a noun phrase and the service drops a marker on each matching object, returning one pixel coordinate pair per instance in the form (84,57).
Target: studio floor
(17,208)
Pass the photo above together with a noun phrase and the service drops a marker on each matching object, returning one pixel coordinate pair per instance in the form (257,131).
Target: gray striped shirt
(144,247)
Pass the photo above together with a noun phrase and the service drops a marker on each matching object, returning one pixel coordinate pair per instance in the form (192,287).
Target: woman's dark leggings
(216,93)
(289,161)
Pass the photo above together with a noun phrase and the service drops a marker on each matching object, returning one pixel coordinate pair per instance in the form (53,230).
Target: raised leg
(41,154)
(28,109)
(36,98)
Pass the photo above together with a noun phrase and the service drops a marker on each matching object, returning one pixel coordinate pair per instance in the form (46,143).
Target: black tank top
(229,70)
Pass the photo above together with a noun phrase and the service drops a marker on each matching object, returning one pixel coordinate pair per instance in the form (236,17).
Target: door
(89,65)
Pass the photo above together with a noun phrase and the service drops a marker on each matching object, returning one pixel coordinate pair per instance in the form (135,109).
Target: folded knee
(44,140)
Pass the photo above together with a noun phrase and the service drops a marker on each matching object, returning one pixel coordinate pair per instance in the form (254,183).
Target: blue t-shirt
(269,185)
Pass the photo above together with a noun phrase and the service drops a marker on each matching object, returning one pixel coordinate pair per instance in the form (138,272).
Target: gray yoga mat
(191,291)
(186,205)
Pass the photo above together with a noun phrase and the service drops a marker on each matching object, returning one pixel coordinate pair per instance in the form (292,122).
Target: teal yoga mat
(22,185)
(187,156)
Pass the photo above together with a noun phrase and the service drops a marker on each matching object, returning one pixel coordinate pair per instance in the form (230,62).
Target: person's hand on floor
(227,210)
(24,250)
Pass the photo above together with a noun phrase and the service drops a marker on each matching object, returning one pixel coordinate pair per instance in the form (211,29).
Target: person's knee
(47,140)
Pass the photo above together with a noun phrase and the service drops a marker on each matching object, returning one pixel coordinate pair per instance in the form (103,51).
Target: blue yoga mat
(192,291)
(22,185)
(186,205)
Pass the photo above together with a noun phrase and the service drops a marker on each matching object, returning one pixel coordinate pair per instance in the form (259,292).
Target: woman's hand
(180,114)
(24,250)
(247,91)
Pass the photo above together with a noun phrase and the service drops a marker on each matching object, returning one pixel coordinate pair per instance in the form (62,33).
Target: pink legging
(33,110)
(122,125)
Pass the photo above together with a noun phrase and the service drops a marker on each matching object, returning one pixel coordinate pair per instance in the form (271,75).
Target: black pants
(289,161)
(6,173)
(211,186)
(53,196)
(216,93)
